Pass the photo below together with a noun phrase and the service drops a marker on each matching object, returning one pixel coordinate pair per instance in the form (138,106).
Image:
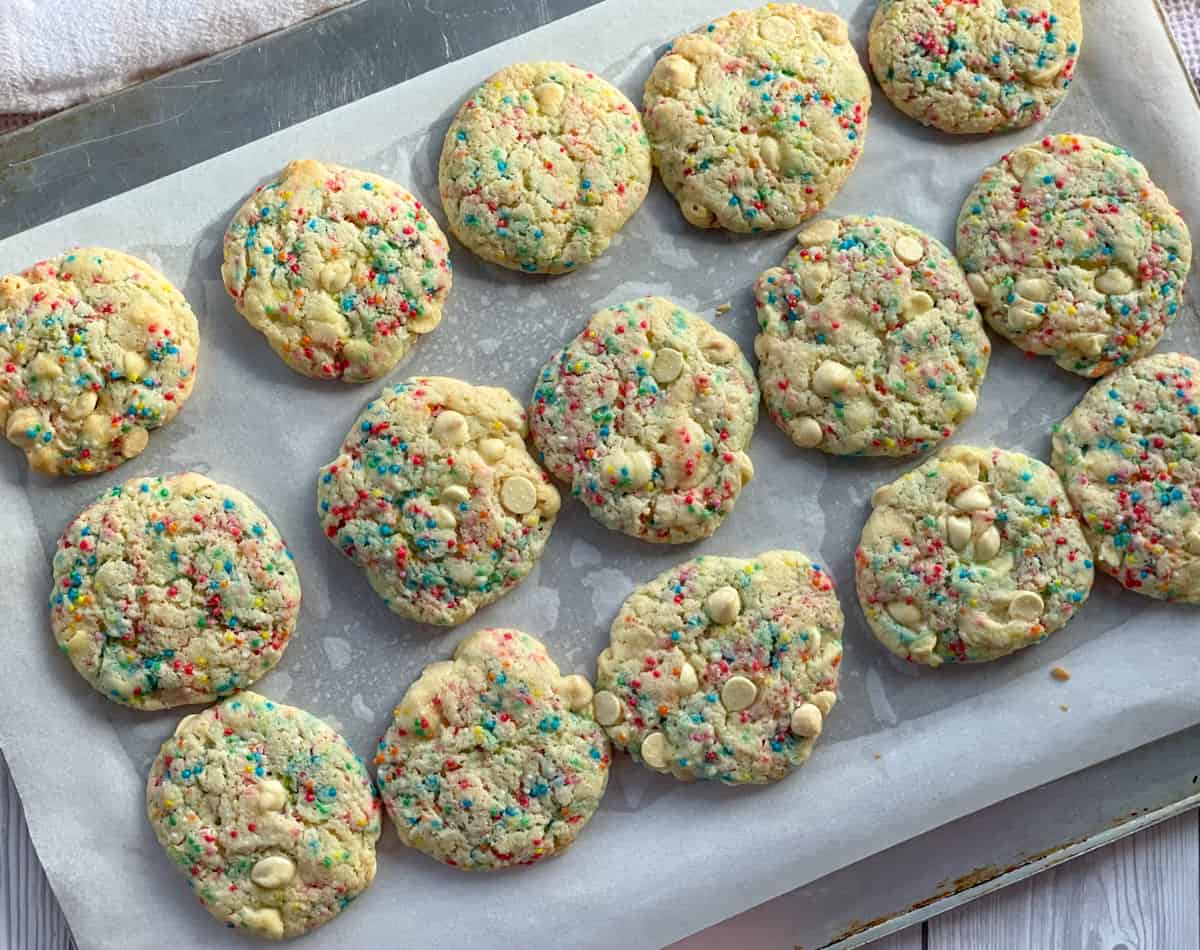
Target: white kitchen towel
(55,53)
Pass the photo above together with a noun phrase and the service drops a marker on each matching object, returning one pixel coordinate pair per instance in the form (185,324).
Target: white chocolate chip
(266,920)
(668,364)
(133,442)
(979,288)
(518,494)
(1114,281)
(96,427)
(577,691)
(1021,316)
(680,72)
(454,495)
(813,280)
(444,517)
(958,530)
(904,613)
(273,871)
(607,708)
(654,750)
(719,349)
(768,148)
(1088,344)
(883,495)
(492,450)
(819,232)
(1109,554)
(723,605)
(451,428)
(81,405)
(1026,605)
(831,377)
(806,432)
(20,423)
(134,365)
(909,249)
(550,96)
(1023,161)
(807,721)
(688,681)
(1046,75)
(967,401)
(776,29)
(1193,540)
(45,366)
(272,796)
(988,544)
(745,468)
(334,276)
(738,693)
(975,498)
(1034,288)
(919,302)
(824,701)
(831,27)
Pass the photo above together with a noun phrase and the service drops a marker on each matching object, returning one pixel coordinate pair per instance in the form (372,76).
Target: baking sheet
(905,751)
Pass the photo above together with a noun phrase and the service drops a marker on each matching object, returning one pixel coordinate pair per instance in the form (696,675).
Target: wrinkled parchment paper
(905,750)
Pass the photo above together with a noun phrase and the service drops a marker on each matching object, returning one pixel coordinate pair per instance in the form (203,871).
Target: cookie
(542,166)
(869,341)
(1129,455)
(1073,252)
(723,668)
(756,120)
(97,350)
(172,590)
(970,557)
(267,812)
(647,414)
(979,66)
(436,497)
(494,758)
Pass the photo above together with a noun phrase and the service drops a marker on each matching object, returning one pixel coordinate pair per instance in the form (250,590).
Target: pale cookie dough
(494,758)
(756,120)
(437,498)
(723,668)
(338,268)
(542,166)
(97,350)
(267,812)
(975,65)
(172,590)
(1073,252)
(972,556)
(1129,455)
(647,415)
(869,341)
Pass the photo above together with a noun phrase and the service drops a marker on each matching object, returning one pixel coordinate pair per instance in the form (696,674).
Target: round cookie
(723,668)
(869,341)
(542,166)
(267,812)
(172,590)
(1129,455)
(980,66)
(436,497)
(338,268)
(756,120)
(1073,252)
(647,414)
(494,758)
(970,557)
(97,350)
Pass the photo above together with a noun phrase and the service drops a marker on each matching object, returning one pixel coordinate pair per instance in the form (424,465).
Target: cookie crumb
(1060,674)
(723,308)
(878,755)
(1064,707)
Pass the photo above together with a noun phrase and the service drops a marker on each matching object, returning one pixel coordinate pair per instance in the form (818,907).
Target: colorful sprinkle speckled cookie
(647,415)
(723,668)
(268,814)
(543,164)
(339,269)
(1129,455)
(974,555)
(757,119)
(172,590)
(97,350)
(437,498)
(494,758)
(1073,252)
(869,341)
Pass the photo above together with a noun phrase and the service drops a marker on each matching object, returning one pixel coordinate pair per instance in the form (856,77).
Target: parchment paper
(905,750)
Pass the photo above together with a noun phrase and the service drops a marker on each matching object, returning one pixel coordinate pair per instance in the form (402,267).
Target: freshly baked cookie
(971,556)
(267,812)
(494,758)
(97,350)
(543,164)
(756,120)
(869,341)
(1129,455)
(723,668)
(1073,252)
(436,497)
(338,268)
(975,66)
(647,414)
(172,590)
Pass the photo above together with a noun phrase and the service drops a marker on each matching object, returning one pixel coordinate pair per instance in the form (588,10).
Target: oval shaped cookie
(1129,455)
(981,66)
(647,414)
(543,164)
(869,341)
(97,350)
(339,269)
(723,668)
(268,814)
(756,120)
(1073,252)
(971,556)
(493,758)
(436,497)
(172,590)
